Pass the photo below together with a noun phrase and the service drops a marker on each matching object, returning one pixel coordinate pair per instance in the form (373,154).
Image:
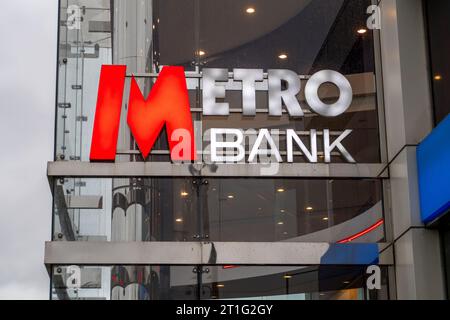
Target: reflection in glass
(219,209)
(128,282)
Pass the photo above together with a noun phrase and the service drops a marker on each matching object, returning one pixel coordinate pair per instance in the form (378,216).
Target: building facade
(303,176)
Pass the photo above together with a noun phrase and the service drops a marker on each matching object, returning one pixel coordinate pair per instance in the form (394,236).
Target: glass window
(131,282)
(439,51)
(219,209)
(302,36)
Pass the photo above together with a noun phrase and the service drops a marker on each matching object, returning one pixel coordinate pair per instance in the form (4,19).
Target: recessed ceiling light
(325,219)
(438,77)
(201,52)
(282,211)
(283,56)
(179,220)
(346,282)
(184,193)
(220,285)
(280,223)
(309,208)
(286,276)
(280,190)
(362,31)
(230,196)
(250,10)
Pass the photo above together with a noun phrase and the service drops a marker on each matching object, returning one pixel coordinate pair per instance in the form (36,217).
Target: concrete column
(405,74)
(418,263)
(408,112)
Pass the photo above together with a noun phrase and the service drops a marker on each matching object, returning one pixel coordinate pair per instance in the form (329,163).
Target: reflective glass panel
(219,209)
(131,282)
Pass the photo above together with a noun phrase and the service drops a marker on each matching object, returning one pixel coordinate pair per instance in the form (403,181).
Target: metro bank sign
(167,106)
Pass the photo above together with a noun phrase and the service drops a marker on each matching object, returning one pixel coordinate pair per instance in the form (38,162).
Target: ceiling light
(201,52)
(282,211)
(362,31)
(230,196)
(280,190)
(250,10)
(283,56)
(437,77)
(179,220)
(286,276)
(184,193)
(325,219)
(220,285)
(309,208)
(280,223)
(346,282)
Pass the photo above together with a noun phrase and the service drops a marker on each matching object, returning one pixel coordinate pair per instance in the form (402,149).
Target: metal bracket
(64,105)
(82,118)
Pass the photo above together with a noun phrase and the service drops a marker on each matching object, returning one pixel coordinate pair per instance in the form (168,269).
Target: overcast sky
(27,99)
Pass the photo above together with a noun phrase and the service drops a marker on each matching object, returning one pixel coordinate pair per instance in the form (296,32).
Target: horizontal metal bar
(165,169)
(307,112)
(195,75)
(84,202)
(219,152)
(215,253)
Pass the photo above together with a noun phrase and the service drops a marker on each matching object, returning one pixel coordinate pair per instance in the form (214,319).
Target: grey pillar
(418,267)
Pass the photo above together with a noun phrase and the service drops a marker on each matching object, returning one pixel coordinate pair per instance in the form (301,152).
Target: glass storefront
(218,209)
(303,36)
(121,282)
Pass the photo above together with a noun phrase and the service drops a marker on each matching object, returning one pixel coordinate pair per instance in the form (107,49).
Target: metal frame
(163,169)
(206,253)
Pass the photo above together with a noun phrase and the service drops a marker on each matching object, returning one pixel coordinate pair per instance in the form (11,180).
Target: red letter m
(167,104)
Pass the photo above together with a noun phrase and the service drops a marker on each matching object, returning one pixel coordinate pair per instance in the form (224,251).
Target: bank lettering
(167,105)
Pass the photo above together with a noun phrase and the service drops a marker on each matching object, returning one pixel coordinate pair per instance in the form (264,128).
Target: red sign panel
(166,105)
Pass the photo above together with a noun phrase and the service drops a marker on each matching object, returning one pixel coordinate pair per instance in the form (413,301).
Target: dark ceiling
(315,34)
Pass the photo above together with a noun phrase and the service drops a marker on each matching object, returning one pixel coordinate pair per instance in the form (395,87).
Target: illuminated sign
(168,105)
(433,165)
(275,79)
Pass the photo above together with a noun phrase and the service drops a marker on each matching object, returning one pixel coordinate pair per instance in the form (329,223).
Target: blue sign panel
(433,165)
(351,253)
